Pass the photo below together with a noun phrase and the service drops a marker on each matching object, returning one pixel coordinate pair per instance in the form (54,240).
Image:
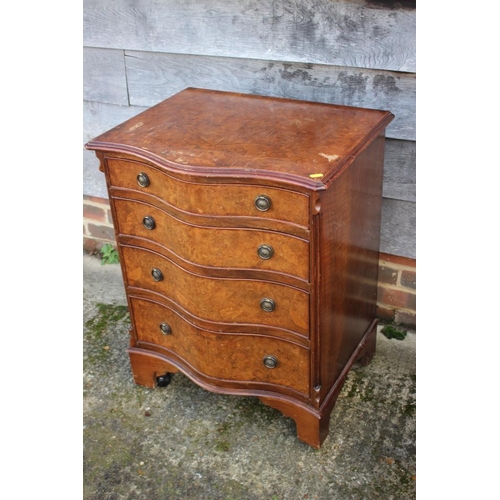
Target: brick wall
(397,275)
(97,224)
(397,299)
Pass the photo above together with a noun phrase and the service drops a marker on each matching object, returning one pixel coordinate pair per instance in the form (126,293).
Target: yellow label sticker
(315,176)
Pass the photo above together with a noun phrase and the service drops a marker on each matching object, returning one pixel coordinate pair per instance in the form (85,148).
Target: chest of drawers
(248,234)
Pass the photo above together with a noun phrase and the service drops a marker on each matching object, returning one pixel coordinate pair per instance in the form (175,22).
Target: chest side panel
(350,237)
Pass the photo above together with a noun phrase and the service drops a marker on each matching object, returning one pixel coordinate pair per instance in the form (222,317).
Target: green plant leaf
(108,254)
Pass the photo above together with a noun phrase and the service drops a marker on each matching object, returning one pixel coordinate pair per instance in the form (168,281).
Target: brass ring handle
(262,203)
(149,222)
(143,180)
(267,305)
(157,274)
(270,362)
(265,252)
(165,329)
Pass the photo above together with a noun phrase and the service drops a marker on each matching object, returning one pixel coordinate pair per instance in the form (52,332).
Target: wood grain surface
(281,139)
(207,198)
(104,76)
(359,34)
(214,246)
(152,77)
(349,248)
(217,299)
(223,356)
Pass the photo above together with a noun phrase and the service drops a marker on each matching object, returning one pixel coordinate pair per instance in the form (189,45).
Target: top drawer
(210,199)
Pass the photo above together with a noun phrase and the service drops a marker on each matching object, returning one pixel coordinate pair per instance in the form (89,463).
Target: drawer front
(210,199)
(214,247)
(217,299)
(245,358)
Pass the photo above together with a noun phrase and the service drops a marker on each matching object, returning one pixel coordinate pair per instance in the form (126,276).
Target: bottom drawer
(252,360)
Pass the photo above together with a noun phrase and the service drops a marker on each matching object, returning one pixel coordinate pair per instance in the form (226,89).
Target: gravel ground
(182,442)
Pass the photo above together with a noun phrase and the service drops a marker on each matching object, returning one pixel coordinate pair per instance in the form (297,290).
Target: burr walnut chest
(248,233)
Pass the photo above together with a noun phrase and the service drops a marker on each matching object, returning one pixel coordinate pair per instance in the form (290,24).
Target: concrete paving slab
(182,442)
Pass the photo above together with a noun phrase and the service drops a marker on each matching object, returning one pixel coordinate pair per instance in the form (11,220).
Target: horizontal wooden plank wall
(341,33)
(151,76)
(105,77)
(359,53)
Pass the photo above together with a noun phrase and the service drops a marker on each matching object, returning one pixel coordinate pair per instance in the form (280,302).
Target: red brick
(95,199)
(101,232)
(411,301)
(90,246)
(387,275)
(392,297)
(406,318)
(94,213)
(385,313)
(396,259)
(409,279)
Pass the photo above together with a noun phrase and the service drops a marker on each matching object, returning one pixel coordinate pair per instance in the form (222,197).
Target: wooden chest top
(230,134)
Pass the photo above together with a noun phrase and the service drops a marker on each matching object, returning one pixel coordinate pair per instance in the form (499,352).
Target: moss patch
(393,333)
(97,331)
(106,313)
